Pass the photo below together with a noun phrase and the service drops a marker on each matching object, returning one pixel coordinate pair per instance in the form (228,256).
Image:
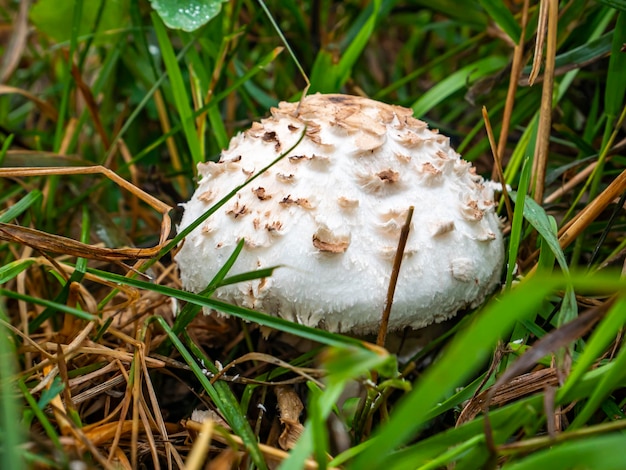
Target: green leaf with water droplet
(187,15)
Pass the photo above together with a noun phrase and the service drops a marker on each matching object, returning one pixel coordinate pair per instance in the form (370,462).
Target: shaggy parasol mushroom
(330,214)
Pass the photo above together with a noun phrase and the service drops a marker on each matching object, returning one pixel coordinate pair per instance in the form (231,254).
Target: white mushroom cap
(330,213)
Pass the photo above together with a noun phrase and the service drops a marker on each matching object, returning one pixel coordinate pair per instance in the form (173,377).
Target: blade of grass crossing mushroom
(276,323)
(189,311)
(258,274)
(171,244)
(183,233)
(220,394)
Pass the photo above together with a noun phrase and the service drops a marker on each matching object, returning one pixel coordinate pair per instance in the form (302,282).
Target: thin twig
(397,262)
(542,143)
(497,161)
(516,72)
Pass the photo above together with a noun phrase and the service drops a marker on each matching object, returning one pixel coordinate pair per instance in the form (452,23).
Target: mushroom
(330,214)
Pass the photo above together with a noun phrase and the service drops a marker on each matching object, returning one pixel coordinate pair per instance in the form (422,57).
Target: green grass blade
(585,53)
(142,104)
(320,336)
(616,77)
(249,276)
(603,452)
(37,410)
(20,206)
(504,422)
(12,269)
(189,312)
(451,454)
(602,336)
(317,422)
(499,12)
(6,145)
(220,394)
(181,97)
(471,348)
(68,81)
(455,82)
(618,4)
(215,207)
(357,45)
(328,76)
(609,382)
(537,217)
(470,13)
(10,409)
(282,37)
(47,303)
(516,225)
(343,365)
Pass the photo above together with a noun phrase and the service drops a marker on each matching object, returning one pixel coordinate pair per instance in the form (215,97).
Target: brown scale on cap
(388,176)
(261,194)
(329,242)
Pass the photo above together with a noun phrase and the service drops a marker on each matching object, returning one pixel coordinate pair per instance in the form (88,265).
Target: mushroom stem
(397,262)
